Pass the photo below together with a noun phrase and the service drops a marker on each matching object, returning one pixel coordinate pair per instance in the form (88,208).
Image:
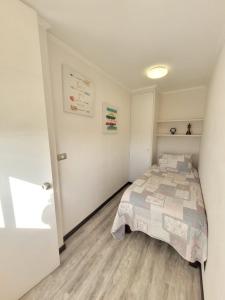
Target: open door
(28,234)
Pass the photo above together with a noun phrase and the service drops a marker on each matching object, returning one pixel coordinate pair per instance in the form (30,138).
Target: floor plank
(95,266)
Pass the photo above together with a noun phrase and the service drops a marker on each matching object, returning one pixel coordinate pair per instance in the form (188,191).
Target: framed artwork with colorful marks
(78,93)
(109,118)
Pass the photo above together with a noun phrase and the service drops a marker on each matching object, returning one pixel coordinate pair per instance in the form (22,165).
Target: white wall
(212,175)
(176,105)
(97,164)
(182,104)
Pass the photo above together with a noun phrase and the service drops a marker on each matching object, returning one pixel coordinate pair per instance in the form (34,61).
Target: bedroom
(67,164)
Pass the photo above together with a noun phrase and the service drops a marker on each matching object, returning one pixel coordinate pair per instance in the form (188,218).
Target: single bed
(166,203)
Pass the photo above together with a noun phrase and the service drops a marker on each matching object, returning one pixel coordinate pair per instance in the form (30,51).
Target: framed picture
(78,93)
(109,118)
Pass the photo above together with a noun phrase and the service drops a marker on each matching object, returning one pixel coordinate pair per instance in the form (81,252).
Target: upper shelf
(181,120)
(178,135)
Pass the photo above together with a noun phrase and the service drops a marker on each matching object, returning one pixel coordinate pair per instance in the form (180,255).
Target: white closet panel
(142,124)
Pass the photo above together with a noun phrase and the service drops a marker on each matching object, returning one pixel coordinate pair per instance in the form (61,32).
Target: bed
(166,203)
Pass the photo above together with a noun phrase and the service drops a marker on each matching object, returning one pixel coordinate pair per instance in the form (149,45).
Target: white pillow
(175,162)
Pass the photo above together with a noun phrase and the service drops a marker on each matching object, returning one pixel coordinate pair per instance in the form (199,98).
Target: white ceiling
(123,37)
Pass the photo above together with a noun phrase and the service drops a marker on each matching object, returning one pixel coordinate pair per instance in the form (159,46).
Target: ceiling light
(156,72)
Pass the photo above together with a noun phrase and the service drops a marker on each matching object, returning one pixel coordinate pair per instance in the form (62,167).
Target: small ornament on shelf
(188,129)
(173,130)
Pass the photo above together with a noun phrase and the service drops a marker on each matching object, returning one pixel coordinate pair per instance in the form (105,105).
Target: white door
(28,235)
(142,114)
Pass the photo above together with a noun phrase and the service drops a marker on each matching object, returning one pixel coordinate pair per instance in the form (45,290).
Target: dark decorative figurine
(173,130)
(188,129)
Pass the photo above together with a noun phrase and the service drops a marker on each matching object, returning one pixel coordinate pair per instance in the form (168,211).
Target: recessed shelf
(179,135)
(181,120)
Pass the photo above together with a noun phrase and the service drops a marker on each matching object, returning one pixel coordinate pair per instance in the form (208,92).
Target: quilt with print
(167,206)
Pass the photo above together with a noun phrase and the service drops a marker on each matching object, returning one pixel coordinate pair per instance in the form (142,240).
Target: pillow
(175,162)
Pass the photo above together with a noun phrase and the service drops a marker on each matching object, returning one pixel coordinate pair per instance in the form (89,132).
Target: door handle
(46,186)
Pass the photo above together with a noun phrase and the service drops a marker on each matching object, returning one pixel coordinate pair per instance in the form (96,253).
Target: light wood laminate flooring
(95,266)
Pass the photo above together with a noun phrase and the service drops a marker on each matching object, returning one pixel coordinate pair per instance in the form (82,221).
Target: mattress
(167,206)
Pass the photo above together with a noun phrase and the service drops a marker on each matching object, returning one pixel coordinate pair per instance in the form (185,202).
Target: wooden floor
(95,266)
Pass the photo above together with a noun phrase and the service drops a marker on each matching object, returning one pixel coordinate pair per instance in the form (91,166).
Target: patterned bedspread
(167,206)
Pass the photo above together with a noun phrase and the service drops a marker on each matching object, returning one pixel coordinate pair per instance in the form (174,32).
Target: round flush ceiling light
(156,72)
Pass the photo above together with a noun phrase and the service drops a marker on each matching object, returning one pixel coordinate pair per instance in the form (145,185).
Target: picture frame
(78,93)
(109,118)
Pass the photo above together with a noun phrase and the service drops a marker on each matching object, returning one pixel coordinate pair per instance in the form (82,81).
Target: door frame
(43,35)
